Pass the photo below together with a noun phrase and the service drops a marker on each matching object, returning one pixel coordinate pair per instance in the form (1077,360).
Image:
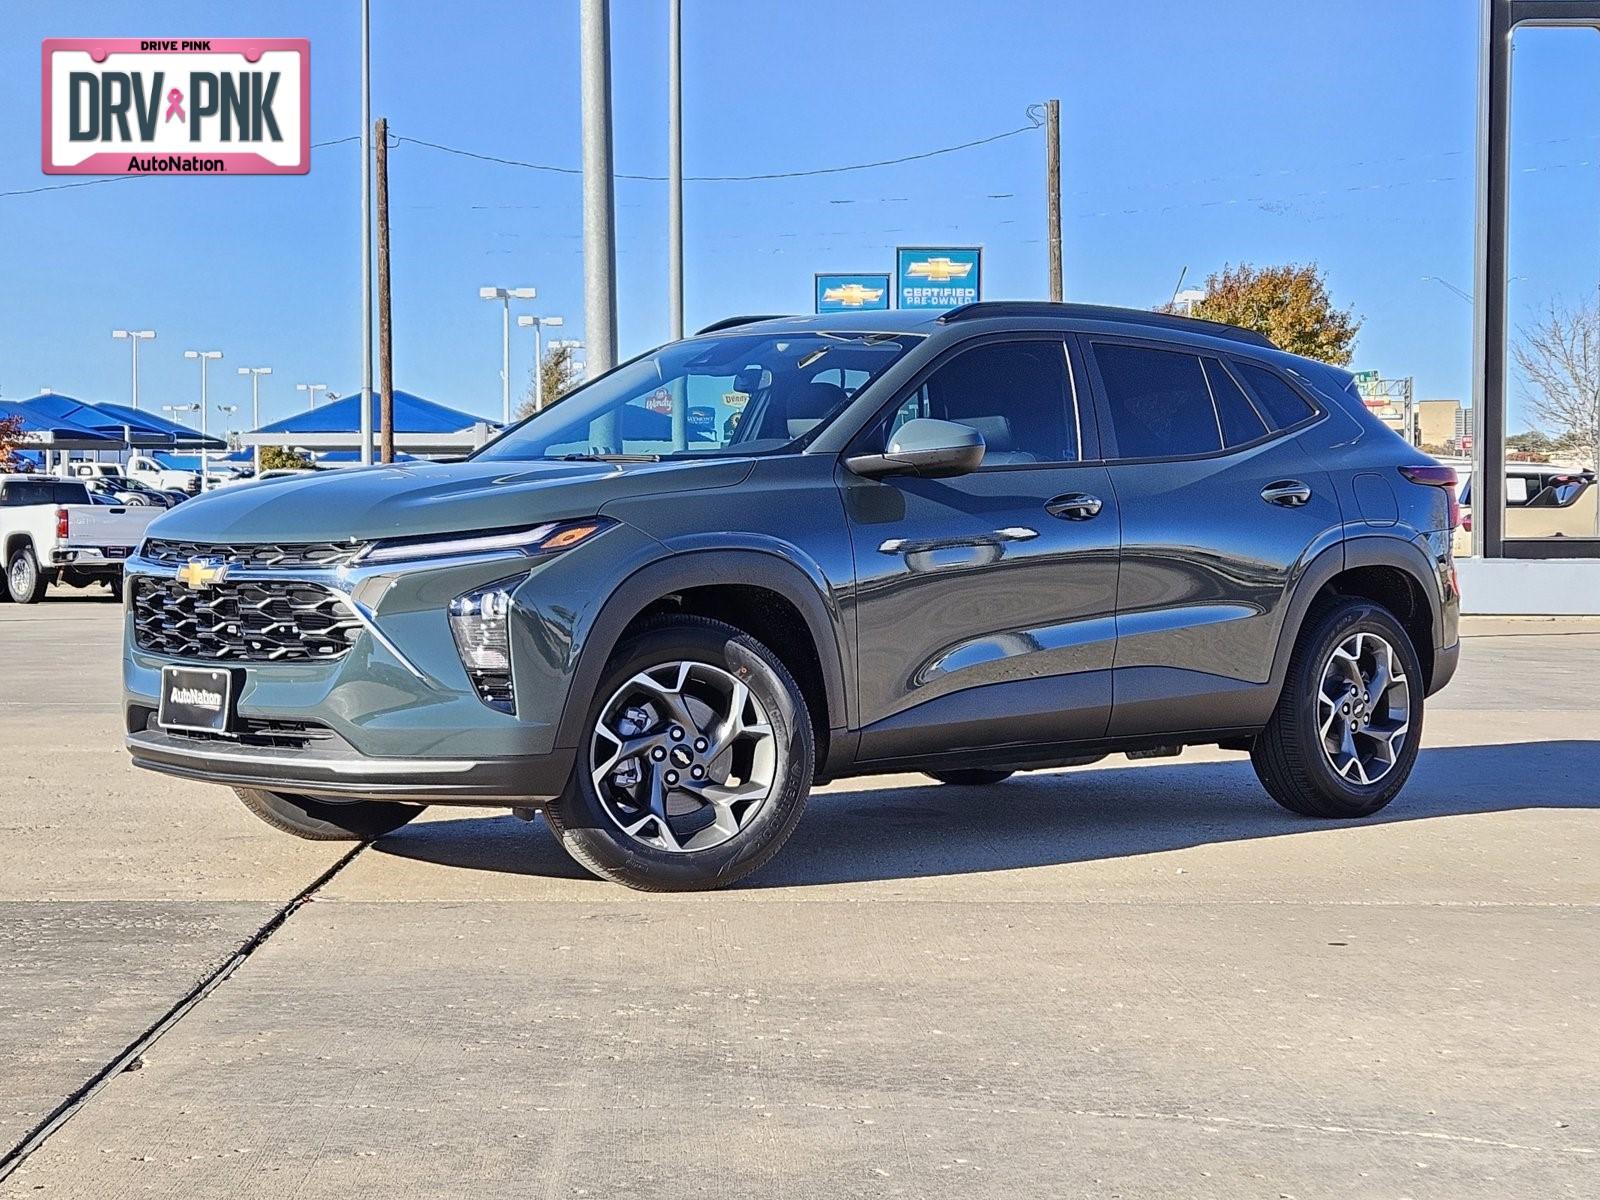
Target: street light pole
(134,337)
(675,168)
(538,324)
(506,296)
(311,390)
(205,357)
(366,233)
(599,221)
(255,374)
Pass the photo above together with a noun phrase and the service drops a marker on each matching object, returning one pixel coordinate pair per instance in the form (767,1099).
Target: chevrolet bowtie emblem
(852,295)
(201,573)
(939,269)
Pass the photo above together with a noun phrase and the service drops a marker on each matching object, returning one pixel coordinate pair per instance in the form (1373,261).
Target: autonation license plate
(195,698)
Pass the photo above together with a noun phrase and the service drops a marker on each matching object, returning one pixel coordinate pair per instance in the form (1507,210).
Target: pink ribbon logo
(174,106)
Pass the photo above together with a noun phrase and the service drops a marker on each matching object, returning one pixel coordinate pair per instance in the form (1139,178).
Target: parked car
(108,479)
(52,531)
(1542,500)
(1011,536)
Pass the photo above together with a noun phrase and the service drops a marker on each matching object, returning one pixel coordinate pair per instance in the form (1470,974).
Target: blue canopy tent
(420,427)
(125,428)
(170,433)
(55,433)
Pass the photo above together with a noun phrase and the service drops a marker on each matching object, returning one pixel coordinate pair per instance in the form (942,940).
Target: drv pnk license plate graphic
(175,106)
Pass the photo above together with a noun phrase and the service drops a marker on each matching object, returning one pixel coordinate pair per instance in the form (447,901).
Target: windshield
(734,394)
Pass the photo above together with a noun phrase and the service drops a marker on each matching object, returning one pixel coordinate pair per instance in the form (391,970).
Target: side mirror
(926,448)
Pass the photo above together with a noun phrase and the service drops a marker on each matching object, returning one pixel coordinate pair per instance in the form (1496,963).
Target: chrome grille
(255,554)
(242,621)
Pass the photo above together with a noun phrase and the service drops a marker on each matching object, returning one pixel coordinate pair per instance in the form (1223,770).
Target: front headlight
(480,622)
(540,539)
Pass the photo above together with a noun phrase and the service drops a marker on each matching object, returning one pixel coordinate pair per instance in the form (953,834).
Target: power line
(78,183)
(768,175)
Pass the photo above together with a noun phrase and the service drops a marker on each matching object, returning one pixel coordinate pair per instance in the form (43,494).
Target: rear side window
(1282,405)
(1159,402)
(28,491)
(1240,422)
(71,493)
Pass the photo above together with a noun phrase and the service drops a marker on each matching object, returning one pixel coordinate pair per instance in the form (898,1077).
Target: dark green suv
(1011,536)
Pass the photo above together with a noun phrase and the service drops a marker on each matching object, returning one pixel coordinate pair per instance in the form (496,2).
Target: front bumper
(342,774)
(395,717)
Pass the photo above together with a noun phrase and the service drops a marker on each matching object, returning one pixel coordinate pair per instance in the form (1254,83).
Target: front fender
(708,567)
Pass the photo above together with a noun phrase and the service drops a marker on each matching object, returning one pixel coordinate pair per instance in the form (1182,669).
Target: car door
(984,604)
(1221,508)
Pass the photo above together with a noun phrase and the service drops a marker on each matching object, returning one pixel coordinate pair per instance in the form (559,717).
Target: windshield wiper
(598,457)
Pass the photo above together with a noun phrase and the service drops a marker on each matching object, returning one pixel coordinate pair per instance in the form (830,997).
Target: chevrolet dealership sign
(938,277)
(207,106)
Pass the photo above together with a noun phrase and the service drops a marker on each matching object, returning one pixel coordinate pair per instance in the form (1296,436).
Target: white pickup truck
(51,532)
(149,470)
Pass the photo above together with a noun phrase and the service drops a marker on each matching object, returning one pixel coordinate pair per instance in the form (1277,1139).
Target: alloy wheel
(1363,708)
(683,756)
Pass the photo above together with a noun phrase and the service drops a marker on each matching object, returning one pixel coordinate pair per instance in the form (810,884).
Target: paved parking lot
(1111,981)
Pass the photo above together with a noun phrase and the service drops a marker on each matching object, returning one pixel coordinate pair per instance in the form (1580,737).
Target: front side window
(1159,401)
(1018,395)
(737,393)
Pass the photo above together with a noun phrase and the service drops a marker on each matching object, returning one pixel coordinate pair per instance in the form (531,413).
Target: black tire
(24,579)
(592,836)
(117,585)
(1288,754)
(327,821)
(970,777)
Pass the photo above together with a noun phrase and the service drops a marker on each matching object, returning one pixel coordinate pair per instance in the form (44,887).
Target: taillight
(1435,475)
(61,524)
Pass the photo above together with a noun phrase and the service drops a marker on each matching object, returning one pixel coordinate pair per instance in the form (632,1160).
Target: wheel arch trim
(1353,553)
(697,569)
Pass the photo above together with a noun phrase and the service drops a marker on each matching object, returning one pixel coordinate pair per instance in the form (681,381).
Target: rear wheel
(1345,734)
(24,579)
(696,761)
(328,821)
(970,777)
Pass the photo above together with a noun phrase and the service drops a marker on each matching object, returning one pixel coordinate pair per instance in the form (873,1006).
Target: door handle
(1074,506)
(1288,493)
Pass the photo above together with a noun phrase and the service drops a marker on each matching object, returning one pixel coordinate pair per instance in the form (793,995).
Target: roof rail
(1102,312)
(735,322)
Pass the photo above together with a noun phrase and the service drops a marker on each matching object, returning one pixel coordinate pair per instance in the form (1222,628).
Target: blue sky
(1195,135)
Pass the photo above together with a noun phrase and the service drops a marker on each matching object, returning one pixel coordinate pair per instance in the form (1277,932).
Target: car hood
(408,499)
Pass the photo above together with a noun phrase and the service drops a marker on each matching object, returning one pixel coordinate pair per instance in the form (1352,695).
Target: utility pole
(675,168)
(599,221)
(1411,412)
(1052,185)
(255,374)
(366,233)
(385,334)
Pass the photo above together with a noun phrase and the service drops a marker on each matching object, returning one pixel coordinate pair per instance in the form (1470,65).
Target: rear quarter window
(1279,403)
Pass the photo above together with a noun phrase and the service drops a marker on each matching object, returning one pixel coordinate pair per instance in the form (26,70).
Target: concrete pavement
(1123,980)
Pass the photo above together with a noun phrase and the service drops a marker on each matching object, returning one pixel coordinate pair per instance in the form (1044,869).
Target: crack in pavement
(68,1108)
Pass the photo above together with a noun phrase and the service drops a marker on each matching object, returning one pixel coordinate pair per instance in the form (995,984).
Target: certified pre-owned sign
(160,106)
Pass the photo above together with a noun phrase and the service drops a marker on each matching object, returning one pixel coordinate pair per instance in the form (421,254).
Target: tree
(281,458)
(1289,303)
(560,377)
(10,437)
(1559,356)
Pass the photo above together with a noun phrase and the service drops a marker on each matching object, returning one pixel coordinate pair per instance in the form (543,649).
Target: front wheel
(696,760)
(328,821)
(1345,733)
